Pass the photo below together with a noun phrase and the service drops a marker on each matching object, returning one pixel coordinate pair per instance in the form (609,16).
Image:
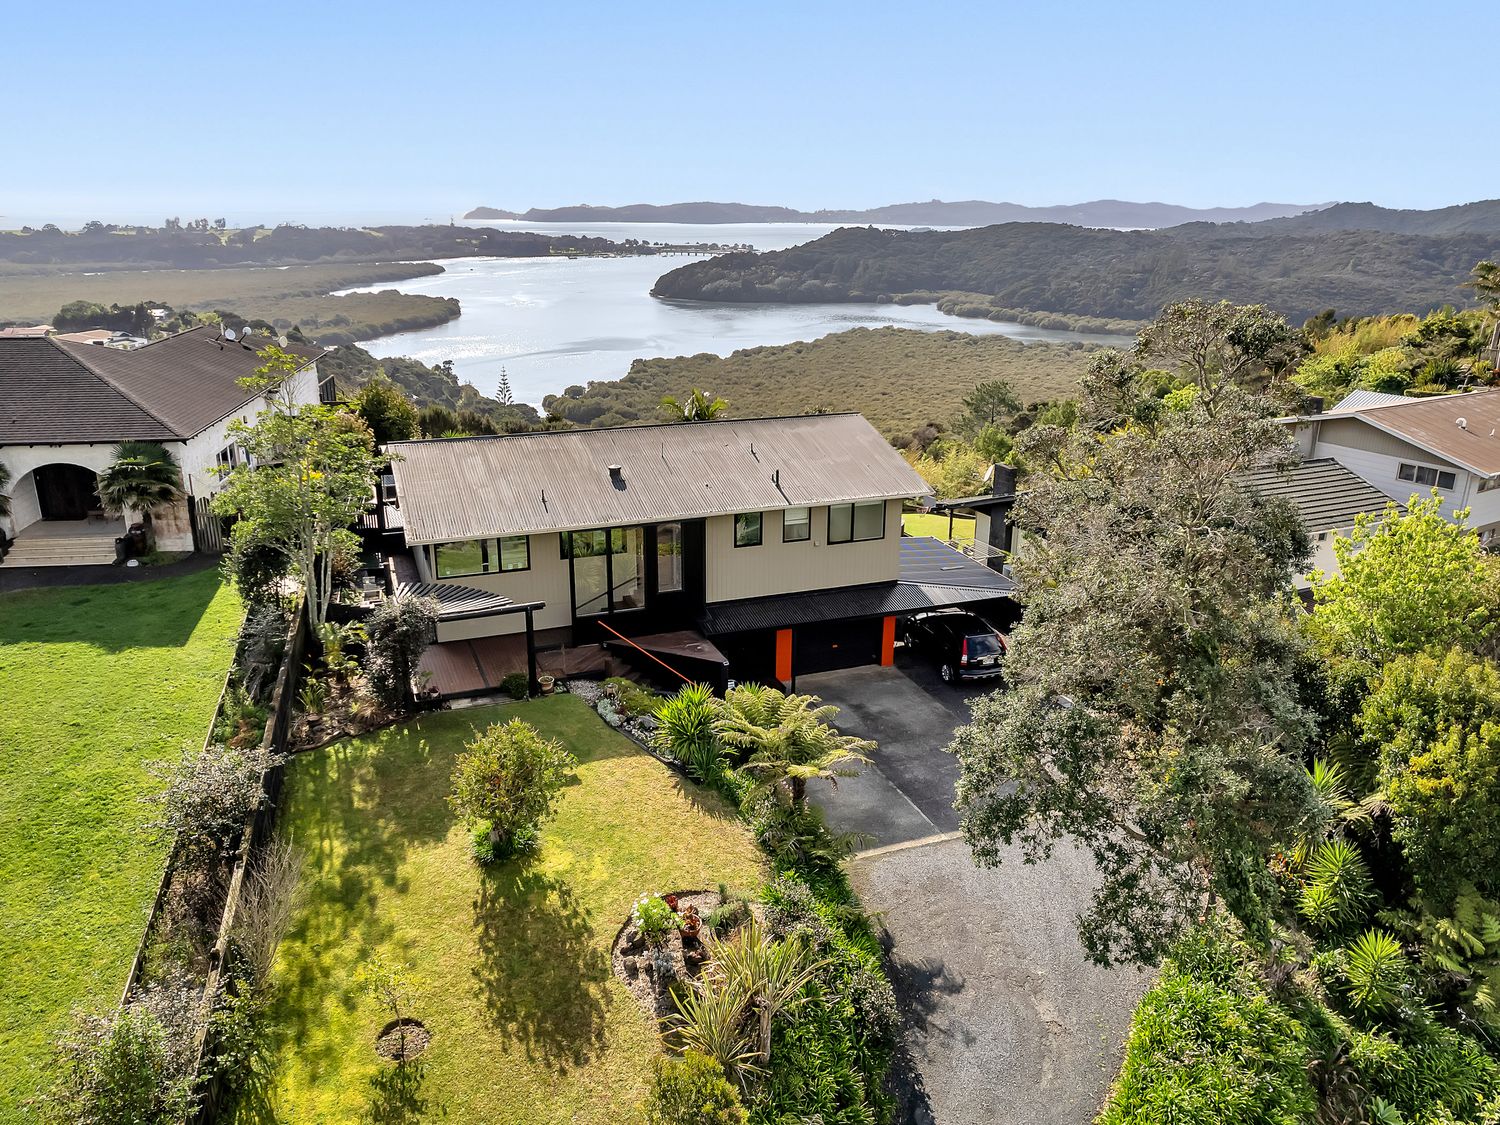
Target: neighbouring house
(64,406)
(1406,446)
(996,537)
(25,332)
(771,545)
(1329,498)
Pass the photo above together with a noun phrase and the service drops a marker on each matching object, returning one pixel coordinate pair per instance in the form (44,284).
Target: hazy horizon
(350,113)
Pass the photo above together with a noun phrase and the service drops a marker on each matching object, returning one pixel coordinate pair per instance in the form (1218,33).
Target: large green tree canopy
(1153,713)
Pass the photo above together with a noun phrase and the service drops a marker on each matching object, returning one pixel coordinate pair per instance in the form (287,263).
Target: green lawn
(931,523)
(97,681)
(510,967)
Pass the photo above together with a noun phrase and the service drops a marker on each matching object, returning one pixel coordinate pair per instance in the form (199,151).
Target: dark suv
(963,646)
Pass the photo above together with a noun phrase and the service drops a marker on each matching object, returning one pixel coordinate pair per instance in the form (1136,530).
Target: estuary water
(555,322)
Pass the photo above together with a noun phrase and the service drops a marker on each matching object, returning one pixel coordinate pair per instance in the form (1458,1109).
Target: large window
(747,529)
(796,525)
(482,556)
(855,523)
(609,569)
(1425,475)
(668,557)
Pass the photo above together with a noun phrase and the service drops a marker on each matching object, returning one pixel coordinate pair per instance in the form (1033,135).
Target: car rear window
(984,644)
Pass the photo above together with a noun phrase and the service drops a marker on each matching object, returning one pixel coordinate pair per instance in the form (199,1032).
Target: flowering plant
(653,917)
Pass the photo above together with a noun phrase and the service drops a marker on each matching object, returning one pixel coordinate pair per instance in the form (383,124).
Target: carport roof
(933,576)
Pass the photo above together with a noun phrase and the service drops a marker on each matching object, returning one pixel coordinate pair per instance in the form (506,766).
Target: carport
(784,637)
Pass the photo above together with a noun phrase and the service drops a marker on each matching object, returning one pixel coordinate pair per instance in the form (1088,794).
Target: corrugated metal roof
(457,602)
(1328,495)
(929,561)
(1362,400)
(560,480)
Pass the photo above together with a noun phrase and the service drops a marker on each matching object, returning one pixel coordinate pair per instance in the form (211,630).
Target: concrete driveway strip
(1006,1019)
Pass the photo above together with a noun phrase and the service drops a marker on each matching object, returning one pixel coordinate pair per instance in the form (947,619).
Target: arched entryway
(66,492)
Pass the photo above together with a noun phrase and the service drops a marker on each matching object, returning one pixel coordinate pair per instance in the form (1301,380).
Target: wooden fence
(208,526)
(257,831)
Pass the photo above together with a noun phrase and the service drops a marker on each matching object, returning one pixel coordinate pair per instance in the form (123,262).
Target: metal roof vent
(617,472)
(1463,423)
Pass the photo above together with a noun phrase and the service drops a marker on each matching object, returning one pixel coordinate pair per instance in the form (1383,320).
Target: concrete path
(1007,1020)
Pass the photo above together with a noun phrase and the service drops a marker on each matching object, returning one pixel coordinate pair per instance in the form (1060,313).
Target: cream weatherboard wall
(775,567)
(546,581)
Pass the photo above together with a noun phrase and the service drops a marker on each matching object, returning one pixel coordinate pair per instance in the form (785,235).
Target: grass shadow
(114,617)
(398,1096)
(542,976)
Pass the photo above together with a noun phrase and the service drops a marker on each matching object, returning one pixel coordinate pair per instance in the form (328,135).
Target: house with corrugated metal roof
(65,405)
(1411,446)
(769,546)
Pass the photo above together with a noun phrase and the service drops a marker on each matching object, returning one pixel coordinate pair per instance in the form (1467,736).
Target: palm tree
(4,494)
(699,407)
(788,739)
(1485,281)
(142,478)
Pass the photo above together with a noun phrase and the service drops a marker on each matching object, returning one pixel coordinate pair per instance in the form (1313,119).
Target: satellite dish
(281,341)
(229,334)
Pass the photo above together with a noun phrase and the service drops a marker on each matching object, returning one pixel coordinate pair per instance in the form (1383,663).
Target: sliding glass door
(609,570)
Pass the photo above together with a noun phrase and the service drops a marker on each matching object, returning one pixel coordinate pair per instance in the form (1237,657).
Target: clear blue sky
(328,109)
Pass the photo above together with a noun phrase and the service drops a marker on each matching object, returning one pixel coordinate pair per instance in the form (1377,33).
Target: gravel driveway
(1007,1020)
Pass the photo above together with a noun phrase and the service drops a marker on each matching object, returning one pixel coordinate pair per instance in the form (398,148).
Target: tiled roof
(49,397)
(55,392)
(561,480)
(190,380)
(1328,495)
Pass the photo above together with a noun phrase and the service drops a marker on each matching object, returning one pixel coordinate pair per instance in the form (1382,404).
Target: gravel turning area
(1007,1021)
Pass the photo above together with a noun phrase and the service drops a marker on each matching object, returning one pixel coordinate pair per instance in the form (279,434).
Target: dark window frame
(1412,473)
(807,524)
(760,529)
(851,505)
(489,551)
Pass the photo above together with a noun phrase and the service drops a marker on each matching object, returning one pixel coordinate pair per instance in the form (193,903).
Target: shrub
(634,699)
(1338,890)
(691,1090)
(508,780)
(653,917)
(516,685)
(1376,973)
(1207,1045)
(126,1068)
(208,796)
(270,899)
(399,632)
(685,732)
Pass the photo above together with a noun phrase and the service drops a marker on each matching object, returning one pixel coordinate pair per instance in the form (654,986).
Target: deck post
(532,687)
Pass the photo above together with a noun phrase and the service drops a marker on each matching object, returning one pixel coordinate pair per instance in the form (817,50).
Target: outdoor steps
(61,550)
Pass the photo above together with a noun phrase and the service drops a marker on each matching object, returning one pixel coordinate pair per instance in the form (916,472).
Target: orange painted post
(784,655)
(888,643)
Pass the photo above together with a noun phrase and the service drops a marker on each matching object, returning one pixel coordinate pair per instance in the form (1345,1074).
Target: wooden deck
(461,668)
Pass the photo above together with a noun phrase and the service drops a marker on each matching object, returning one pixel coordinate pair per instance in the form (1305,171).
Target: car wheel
(947,673)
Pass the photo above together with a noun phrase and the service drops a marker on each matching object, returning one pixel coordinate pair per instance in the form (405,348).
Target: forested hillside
(200,244)
(1482,217)
(1068,271)
(898,378)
